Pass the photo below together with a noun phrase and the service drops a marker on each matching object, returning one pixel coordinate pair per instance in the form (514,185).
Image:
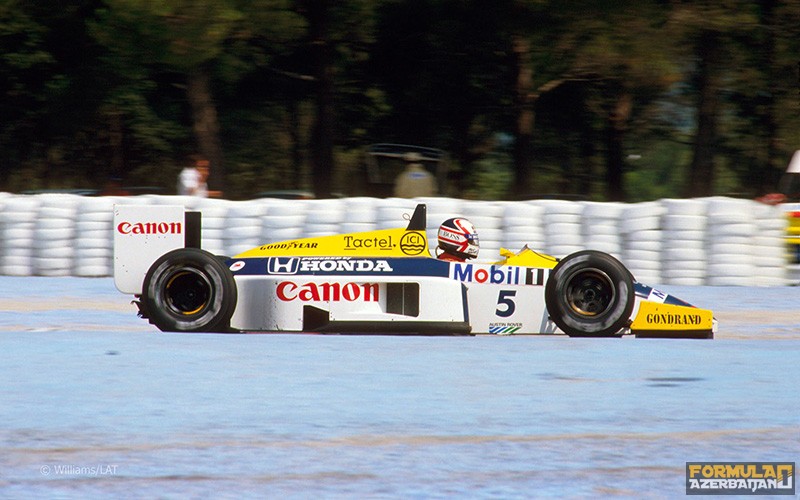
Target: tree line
(607,100)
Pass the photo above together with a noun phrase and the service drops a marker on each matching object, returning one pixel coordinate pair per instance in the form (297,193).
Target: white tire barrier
(640,228)
(684,242)
(523,224)
(601,227)
(730,251)
(769,248)
(715,241)
(17,230)
(54,234)
(243,227)
(561,223)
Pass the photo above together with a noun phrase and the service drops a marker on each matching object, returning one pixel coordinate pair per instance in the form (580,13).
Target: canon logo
(150,227)
(327,292)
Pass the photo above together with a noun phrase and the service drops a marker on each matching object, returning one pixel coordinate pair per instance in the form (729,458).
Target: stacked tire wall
(710,241)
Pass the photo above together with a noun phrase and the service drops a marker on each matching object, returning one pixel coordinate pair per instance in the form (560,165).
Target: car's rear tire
(590,294)
(189,290)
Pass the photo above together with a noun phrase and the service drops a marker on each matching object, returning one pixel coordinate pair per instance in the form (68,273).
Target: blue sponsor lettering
(462,272)
(497,275)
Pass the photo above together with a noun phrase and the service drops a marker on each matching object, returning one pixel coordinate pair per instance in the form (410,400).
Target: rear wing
(143,233)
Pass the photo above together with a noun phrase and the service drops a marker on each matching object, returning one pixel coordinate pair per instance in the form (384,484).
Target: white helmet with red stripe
(457,236)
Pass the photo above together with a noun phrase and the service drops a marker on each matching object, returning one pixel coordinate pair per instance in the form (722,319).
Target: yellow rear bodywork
(793,228)
(527,258)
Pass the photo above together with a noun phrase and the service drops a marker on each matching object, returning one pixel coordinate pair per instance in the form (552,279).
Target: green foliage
(491,178)
(657,170)
(92,89)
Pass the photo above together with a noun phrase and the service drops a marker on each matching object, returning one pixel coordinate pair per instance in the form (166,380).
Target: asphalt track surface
(96,404)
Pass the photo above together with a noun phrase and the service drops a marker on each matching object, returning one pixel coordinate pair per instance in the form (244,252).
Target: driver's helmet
(457,236)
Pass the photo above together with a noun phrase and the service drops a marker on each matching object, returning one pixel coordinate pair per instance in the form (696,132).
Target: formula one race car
(380,282)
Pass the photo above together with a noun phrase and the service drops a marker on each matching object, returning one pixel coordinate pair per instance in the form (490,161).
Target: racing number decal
(505,299)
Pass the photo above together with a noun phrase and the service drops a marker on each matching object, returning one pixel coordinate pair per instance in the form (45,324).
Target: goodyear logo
(412,243)
(740,478)
(290,245)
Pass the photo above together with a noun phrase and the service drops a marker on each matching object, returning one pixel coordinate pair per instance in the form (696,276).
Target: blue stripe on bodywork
(644,291)
(345,266)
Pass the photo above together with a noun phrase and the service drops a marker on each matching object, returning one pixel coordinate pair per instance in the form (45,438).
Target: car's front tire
(590,294)
(189,290)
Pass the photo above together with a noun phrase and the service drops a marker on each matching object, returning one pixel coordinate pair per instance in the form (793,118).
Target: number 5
(505,299)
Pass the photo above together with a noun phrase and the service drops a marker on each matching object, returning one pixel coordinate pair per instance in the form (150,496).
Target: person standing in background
(192,180)
(415,181)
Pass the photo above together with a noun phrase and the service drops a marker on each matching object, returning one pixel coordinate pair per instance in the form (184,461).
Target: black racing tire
(590,294)
(189,290)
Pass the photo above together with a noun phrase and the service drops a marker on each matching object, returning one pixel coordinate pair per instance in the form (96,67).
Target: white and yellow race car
(380,282)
